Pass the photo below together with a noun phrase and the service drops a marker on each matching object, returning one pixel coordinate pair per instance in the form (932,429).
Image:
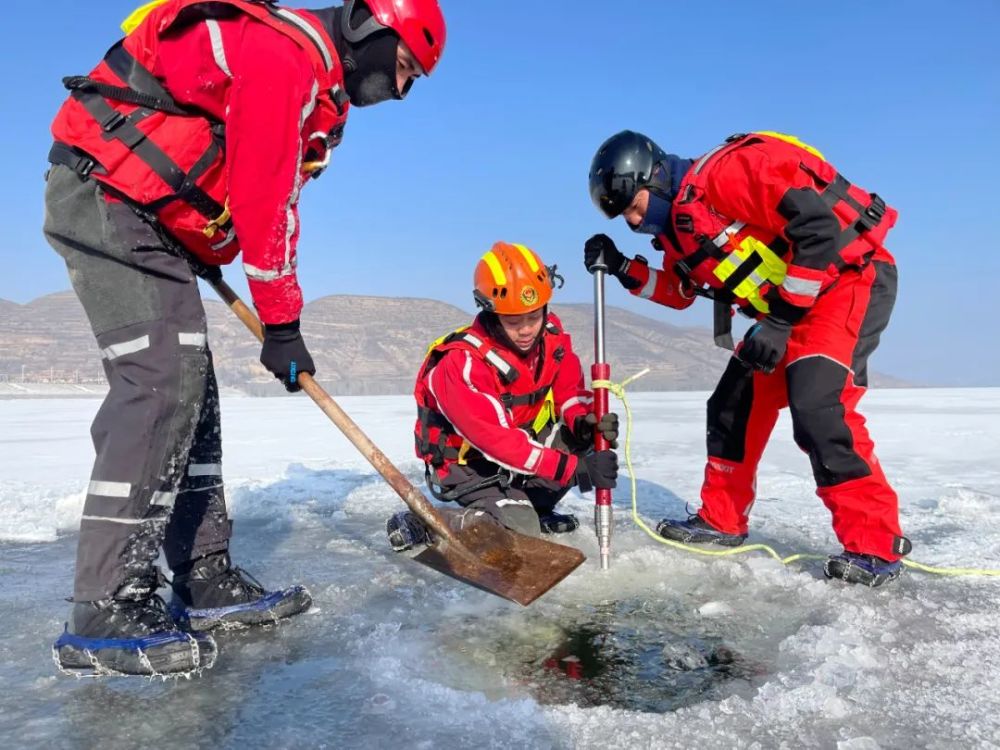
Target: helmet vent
(503,293)
(428,37)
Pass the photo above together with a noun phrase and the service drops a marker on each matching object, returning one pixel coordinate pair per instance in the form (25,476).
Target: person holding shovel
(765,223)
(505,424)
(193,137)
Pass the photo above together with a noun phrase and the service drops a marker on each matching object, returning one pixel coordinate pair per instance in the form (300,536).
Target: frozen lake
(664,650)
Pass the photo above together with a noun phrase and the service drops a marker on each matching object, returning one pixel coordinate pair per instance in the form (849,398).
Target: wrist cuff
(292,325)
(782,311)
(625,276)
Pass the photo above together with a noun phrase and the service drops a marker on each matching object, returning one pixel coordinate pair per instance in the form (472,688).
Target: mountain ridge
(362,345)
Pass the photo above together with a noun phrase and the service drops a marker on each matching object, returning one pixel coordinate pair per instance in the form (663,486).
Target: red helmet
(418,23)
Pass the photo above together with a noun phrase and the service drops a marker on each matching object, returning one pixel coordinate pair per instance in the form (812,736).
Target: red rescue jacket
(474,394)
(167,121)
(764,222)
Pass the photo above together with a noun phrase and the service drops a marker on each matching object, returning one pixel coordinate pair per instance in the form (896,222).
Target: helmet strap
(368,52)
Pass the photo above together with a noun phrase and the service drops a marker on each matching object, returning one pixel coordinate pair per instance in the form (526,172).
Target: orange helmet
(511,280)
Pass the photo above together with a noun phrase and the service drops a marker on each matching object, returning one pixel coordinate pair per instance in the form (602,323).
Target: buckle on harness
(73,158)
(315,165)
(871,216)
(336,135)
(216,224)
(340,98)
(114,120)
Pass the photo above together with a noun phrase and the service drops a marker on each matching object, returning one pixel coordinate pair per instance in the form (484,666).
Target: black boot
(696,530)
(557,523)
(867,570)
(131,633)
(406,532)
(211,592)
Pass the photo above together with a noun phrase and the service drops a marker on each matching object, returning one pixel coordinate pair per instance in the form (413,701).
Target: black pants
(516,501)
(157,477)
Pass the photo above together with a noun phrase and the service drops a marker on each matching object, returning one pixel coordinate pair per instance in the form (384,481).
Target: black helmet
(622,165)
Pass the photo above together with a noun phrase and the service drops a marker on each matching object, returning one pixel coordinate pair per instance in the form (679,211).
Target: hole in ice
(621,654)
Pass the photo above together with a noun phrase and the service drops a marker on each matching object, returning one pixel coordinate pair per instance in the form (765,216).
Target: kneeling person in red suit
(505,424)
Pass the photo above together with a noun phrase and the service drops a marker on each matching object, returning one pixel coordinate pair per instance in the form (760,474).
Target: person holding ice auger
(505,424)
(193,139)
(764,223)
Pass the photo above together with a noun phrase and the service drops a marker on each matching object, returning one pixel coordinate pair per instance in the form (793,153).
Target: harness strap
(71,157)
(119,126)
(746,267)
(146,92)
(525,399)
(501,479)
(869,216)
(508,373)
(438,450)
(706,249)
(141,87)
(722,324)
(138,78)
(121,94)
(429,418)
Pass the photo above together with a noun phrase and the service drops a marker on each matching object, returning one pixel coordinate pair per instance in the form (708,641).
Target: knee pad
(819,420)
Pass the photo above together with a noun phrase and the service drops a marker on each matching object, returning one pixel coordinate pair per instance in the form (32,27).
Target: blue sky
(904,98)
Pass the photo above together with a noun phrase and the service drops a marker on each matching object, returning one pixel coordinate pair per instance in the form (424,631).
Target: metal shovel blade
(495,559)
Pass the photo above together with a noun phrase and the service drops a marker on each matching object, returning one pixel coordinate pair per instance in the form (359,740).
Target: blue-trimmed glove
(284,354)
(765,343)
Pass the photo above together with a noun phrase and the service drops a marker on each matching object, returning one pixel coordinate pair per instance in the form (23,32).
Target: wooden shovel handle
(410,495)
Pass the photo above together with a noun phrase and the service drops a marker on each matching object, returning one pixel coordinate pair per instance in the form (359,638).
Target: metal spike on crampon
(165,655)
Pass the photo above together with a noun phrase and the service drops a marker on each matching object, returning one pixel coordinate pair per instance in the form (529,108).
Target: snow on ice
(664,650)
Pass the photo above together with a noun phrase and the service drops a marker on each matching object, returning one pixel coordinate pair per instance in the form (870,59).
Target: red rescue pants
(821,379)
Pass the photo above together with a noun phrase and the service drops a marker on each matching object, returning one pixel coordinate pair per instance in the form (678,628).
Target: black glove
(600,252)
(285,355)
(583,428)
(765,343)
(598,469)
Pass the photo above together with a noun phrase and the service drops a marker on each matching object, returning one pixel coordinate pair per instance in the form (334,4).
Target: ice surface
(664,650)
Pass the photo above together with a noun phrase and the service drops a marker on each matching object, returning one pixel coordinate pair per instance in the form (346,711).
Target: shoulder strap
(463,338)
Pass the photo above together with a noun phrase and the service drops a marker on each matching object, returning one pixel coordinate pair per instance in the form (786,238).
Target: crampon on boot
(212,593)
(131,633)
(695,530)
(868,570)
(406,531)
(557,523)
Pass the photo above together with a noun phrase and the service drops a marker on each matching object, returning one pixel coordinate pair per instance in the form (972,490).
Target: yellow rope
(618,389)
